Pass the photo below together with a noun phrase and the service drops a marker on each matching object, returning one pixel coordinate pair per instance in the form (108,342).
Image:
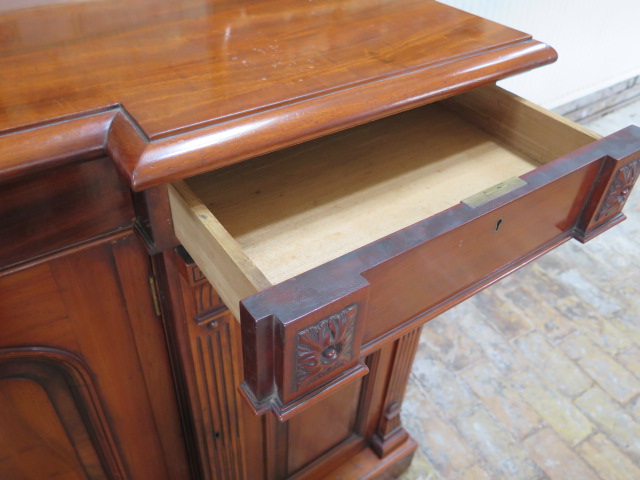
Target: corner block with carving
(619,190)
(325,346)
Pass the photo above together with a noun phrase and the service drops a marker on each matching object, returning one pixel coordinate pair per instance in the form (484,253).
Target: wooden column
(389,432)
(205,339)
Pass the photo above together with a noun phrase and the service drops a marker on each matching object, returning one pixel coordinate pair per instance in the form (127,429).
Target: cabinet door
(85,384)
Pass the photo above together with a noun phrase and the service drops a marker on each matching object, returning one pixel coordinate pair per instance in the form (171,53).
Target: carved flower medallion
(619,189)
(325,345)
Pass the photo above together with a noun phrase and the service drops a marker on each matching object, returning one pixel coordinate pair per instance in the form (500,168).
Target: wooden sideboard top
(170,89)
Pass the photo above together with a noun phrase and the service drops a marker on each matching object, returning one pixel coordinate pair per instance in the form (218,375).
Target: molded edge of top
(144,163)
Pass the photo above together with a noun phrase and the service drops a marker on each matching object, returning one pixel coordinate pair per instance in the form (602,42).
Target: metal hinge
(153,289)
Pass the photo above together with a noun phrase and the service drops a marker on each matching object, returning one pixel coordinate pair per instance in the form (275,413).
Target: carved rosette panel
(619,189)
(325,346)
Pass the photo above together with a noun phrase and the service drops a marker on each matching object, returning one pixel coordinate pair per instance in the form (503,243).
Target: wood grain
(167,90)
(425,269)
(228,268)
(210,46)
(92,303)
(205,83)
(71,401)
(287,212)
(537,133)
(42,448)
(323,427)
(206,339)
(76,139)
(47,211)
(232,442)
(134,271)
(389,433)
(299,208)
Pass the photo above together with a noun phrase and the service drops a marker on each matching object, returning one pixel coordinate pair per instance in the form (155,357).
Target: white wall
(598,43)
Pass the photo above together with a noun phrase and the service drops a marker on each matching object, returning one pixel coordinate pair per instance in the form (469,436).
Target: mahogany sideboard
(222,224)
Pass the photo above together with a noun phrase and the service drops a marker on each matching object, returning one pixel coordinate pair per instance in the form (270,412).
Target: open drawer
(329,249)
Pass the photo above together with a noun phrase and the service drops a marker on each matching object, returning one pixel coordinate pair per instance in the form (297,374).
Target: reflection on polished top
(228,79)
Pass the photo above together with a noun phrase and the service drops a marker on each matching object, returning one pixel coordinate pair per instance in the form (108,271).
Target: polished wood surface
(117,357)
(57,426)
(172,89)
(326,198)
(341,431)
(333,246)
(55,209)
(192,63)
(38,443)
(85,381)
(412,275)
(205,338)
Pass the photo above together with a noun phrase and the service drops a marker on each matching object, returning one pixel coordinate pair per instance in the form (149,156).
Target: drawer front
(386,288)
(307,336)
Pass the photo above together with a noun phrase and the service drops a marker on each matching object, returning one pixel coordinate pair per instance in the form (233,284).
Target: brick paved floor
(538,376)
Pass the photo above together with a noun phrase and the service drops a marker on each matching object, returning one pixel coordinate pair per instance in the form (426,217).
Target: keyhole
(498,225)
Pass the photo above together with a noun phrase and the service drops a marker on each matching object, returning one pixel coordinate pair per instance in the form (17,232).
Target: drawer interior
(295,209)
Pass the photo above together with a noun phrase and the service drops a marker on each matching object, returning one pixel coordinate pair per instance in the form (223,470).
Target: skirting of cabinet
(366,465)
